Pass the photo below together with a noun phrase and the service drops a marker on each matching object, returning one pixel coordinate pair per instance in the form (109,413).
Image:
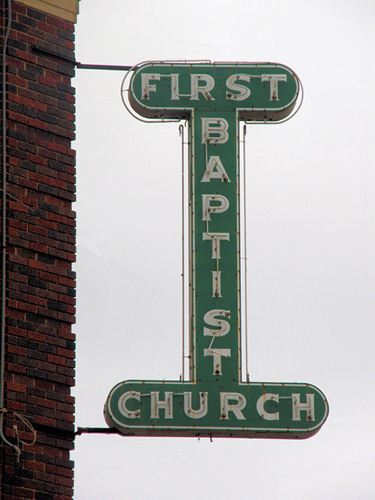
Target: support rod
(77,64)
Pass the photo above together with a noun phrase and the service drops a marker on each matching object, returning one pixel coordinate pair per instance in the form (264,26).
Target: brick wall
(40,310)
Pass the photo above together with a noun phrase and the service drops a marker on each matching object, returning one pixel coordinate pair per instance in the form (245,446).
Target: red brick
(26,56)
(34,465)
(15,80)
(16,387)
(41,248)
(47,27)
(16,406)
(67,353)
(21,9)
(21,351)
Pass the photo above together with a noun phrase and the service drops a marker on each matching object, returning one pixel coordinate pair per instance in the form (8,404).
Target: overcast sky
(311,247)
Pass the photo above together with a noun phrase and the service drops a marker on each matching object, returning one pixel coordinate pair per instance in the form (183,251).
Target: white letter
(244,92)
(175,95)
(235,408)
(274,84)
(308,407)
(216,284)
(208,208)
(216,238)
(215,170)
(217,354)
(209,84)
(157,405)
(122,404)
(147,87)
(260,406)
(214,131)
(211,319)
(203,407)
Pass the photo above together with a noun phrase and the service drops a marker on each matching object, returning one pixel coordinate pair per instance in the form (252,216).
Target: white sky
(311,245)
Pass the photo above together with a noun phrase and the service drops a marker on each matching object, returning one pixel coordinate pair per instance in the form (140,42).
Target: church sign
(215,401)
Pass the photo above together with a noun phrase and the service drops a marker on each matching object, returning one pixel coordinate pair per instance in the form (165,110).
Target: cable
(4,200)
(29,207)
(27,424)
(3,410)
(4,227)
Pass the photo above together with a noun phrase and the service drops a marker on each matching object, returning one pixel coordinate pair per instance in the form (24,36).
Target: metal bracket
(107,67)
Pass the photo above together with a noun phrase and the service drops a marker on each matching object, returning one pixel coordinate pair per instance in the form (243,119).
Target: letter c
(260,406)
(122,404)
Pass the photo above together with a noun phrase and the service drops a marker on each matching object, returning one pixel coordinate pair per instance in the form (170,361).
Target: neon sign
(215,401)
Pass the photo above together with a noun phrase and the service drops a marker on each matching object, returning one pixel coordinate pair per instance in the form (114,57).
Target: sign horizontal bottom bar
(216,409)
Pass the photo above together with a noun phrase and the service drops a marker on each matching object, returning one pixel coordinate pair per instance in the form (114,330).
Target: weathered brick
(41,248)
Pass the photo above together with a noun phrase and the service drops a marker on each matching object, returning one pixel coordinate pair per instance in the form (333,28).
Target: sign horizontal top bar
(264,91)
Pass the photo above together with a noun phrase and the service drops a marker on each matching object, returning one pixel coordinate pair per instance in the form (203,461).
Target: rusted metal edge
(95,430)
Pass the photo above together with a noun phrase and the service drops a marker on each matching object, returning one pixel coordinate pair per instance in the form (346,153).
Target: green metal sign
(215,401)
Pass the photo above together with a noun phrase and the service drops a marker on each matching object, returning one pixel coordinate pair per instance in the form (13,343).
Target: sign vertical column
(215,247)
